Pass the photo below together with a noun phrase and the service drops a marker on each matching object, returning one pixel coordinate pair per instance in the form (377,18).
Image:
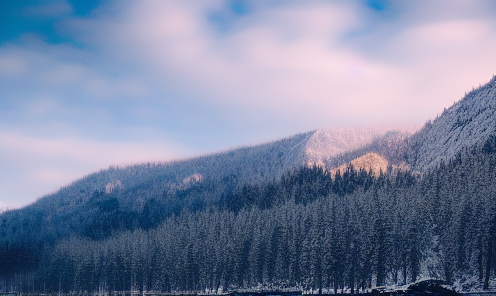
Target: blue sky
(87,84)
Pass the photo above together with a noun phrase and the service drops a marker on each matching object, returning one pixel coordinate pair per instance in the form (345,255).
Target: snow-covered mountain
(205,180)
(199,211)
(327,143)
(467,124)
(142,195)
(232,168)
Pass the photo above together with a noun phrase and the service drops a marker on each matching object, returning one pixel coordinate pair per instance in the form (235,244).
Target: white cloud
(12,66)
(300,56)
(64,72)
(443,60)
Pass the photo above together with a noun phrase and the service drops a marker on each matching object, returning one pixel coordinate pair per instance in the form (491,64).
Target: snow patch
(111,186)
(195,178)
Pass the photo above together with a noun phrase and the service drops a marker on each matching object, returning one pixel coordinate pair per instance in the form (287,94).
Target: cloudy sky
(87,84)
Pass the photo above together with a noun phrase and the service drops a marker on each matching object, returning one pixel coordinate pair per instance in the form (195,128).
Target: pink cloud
(296,57)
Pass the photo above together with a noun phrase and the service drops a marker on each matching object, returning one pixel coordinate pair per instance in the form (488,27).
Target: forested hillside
(315,233)
(469,122)
(143,195)
(275,216)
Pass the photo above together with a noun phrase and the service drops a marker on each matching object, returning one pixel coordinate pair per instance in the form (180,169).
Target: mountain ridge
(218,174)
(467,124)
(287,154)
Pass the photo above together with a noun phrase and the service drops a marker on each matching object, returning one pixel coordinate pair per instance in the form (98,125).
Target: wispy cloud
(316,57)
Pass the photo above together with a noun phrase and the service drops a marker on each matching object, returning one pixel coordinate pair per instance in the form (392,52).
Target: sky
(89,84)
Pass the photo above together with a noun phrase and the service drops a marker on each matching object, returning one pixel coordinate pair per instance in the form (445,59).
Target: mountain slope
(329,143)
(135,184)
(370,162)
(468,124)
(143,195)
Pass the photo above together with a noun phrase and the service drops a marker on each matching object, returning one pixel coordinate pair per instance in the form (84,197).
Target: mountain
(326,144)
(143,195)
(253,164)
(275,216)
(468,124)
